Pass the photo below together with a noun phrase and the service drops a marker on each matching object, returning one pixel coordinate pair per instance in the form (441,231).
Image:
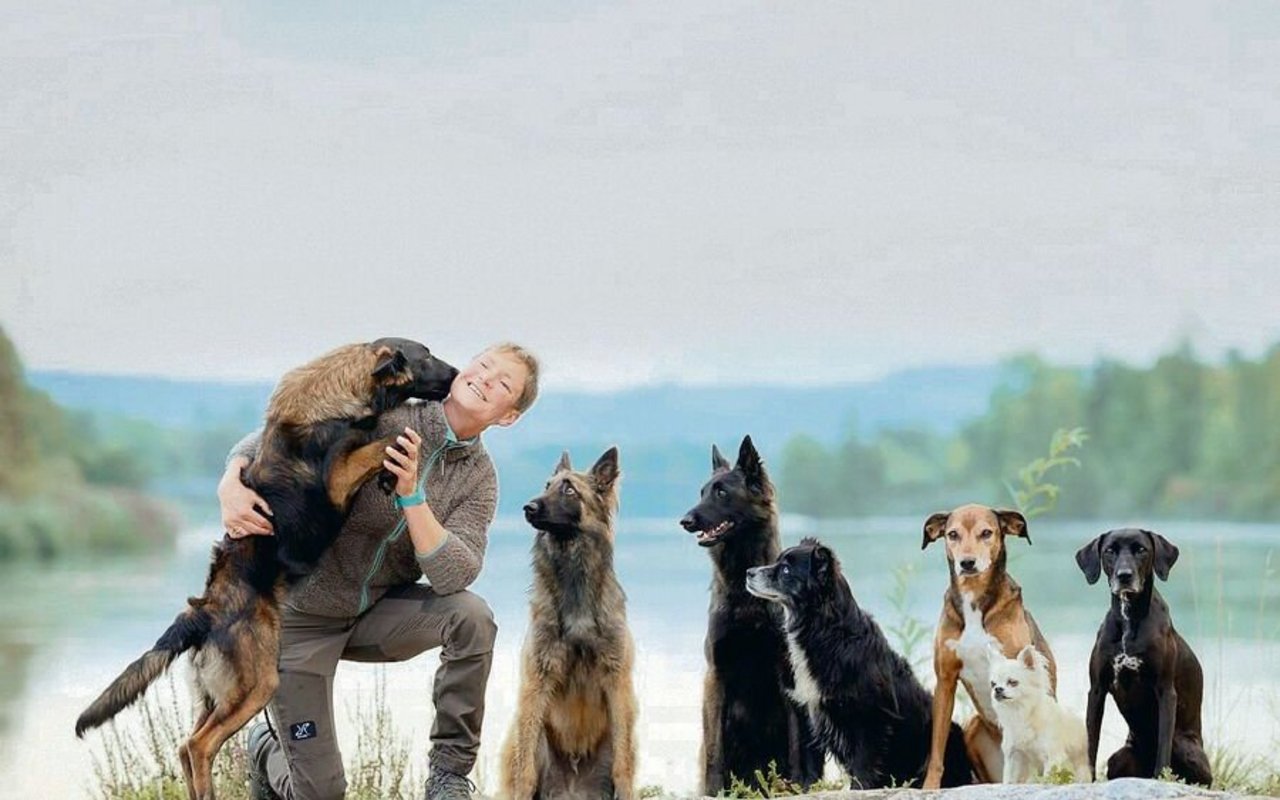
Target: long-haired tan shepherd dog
(749,717)
(573,736)
(318,447)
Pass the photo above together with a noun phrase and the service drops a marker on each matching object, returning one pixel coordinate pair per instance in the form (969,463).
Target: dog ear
(1012,523)
(822,560)
(1089,559)
(563,464)
(750,464)
(390,361)
(1027,657)
(1166,554)
(934,527)
(605,471)
(718,462)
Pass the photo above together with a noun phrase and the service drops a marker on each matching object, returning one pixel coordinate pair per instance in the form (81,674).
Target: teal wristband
(416,499)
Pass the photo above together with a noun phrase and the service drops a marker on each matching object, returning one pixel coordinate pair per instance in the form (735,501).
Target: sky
(651,191)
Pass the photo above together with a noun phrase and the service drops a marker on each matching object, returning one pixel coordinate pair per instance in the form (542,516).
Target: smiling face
(488,389)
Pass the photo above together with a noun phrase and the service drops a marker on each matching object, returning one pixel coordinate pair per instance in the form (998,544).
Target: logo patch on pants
(302,730)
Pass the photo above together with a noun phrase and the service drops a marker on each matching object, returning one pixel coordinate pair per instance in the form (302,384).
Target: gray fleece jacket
(370,556)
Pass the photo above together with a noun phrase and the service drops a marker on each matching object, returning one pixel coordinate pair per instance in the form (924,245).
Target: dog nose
(531,508)
(999,690)
(1124,575)
(968,564)
(687,522)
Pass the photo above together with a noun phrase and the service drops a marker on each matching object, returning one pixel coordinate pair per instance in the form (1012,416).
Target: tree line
(64,488)
(1181,438)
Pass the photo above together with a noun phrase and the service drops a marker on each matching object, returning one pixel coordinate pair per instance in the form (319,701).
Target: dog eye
(1139,549)
(568,489)
(1012,682)
(721,493)
(786,570)
(953,535)
(986,534)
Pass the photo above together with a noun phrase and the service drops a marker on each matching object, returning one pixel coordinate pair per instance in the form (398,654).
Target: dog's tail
(189,630)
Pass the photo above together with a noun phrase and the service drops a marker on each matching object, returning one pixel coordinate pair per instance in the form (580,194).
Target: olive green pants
(303,763)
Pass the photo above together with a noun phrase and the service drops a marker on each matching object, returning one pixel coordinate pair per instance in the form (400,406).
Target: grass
(140,762)
(769,783)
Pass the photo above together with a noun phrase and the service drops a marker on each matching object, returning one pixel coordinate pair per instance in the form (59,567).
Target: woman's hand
(403,461)
(244,512)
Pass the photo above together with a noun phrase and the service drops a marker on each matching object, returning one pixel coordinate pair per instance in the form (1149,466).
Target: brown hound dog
(981,609)
(318,447)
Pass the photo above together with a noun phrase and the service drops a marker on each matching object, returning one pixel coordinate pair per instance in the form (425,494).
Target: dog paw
(387,481)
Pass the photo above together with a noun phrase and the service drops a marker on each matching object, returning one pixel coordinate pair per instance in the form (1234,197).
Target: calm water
(65,630)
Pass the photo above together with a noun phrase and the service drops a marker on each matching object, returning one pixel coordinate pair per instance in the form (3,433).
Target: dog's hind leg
(251,670)
(228,717)
(184,752)
(1125,763)
(1190,762)
(982,741)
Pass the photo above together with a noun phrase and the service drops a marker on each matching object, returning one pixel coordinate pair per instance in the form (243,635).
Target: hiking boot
(260,737)
(445,785)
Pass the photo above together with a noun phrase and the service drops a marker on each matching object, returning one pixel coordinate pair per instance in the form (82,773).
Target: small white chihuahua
(1037,734)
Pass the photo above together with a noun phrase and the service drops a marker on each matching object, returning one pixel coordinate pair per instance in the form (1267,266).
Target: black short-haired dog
(748,720)
(864,702)
(1139,658)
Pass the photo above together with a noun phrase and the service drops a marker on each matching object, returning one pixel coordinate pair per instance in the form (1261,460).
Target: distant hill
(171,403)
(665,431)
(937,398)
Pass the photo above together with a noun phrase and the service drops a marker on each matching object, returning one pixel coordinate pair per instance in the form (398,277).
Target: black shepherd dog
(748,718)
(864,702)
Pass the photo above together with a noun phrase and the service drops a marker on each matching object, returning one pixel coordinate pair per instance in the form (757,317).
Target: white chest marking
(1123,660)
(806,691)
(973,648)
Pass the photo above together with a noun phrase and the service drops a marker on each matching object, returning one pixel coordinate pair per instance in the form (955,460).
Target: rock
(1120,789)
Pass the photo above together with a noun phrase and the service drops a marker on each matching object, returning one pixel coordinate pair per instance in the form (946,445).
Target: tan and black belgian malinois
(573,736)
(318,446)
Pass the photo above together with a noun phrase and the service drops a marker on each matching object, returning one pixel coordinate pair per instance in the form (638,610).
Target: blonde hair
(530,362)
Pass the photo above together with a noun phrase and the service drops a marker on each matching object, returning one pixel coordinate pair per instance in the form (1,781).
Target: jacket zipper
(401,526)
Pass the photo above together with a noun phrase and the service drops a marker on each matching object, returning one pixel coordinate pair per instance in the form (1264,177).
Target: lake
(66,629)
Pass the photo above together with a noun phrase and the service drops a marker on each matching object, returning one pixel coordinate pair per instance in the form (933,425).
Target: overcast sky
(690,191)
